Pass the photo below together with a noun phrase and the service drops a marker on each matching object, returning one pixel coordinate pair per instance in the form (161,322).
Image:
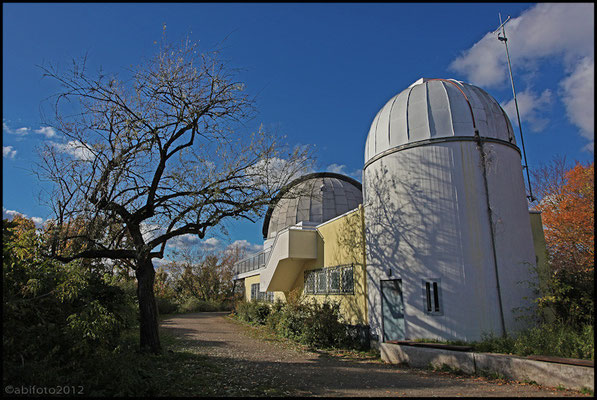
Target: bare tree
(549,178)
(156,156)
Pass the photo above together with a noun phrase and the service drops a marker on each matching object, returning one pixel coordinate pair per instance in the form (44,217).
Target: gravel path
(270,363)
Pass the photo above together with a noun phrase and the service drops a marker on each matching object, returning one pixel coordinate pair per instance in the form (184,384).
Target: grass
(588,391)
(546,340)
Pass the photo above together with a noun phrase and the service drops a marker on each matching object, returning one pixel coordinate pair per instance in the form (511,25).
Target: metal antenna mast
(504,39)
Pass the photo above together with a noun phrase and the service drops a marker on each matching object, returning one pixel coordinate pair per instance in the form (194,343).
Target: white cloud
(273,172)
(246,245)
(482,63)
(188,240)
(19,131)
(342,169)
(529,105)
(76,149)
(545,30)
(161,262)
(47,131)
(8,152)
(184,241)
(38,221)
(151,231)
(213,242)
(10,214)
(545,33)
(578,95)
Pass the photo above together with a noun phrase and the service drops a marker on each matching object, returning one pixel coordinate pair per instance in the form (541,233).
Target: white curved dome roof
(316,197)
(436,108)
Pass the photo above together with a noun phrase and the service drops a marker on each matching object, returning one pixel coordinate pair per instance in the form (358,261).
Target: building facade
(442,245)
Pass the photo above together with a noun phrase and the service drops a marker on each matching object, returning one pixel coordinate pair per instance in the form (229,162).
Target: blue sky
(320,72)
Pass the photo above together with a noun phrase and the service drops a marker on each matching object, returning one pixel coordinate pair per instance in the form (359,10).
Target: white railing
(253,262)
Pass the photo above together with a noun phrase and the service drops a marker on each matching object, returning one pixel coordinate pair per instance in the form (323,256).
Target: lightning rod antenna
(504,39)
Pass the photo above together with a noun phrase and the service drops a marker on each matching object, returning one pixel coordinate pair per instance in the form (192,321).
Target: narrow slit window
(428,295)
(432,297)
(435,297)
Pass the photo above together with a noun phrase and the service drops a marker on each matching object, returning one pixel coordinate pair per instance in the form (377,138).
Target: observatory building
(313,245)
(441,246)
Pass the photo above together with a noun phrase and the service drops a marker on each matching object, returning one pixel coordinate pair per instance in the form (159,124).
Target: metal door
(392,306)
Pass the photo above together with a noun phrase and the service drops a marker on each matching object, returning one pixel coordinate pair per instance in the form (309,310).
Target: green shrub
(570,295)
(253,312)
(554,339)
(275,315)
(494,344)
(557,340)
(193,304)
(314,324)
(165,305)
(55,315)
(292,321)
(322,326)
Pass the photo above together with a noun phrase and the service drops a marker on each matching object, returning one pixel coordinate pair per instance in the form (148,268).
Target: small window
(261,296)
(428,295)
(334,280)
(321,282)
(331,280)
(309,282)
(432,297)
(255,291)
(435,298)
(347,279)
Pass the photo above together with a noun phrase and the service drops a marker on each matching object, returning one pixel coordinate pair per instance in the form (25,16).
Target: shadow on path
(257,362)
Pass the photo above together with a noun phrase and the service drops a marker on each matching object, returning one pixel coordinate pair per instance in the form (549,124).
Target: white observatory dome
(436,108)
(315,198)
(448,232)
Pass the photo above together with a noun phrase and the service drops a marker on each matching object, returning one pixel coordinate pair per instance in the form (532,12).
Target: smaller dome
(316,198)
(436,108)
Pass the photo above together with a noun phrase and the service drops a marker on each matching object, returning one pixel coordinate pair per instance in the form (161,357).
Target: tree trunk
(148,313)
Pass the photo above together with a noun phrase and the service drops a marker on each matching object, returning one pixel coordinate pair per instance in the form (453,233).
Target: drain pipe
(490,216)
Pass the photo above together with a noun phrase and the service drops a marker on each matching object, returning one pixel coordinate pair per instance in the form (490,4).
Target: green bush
(322,326)
(291,321)
(557,340)
(192,304)
(314,324)
(570,296)
(165,305)
(55,315)
(253,312)
(554,339)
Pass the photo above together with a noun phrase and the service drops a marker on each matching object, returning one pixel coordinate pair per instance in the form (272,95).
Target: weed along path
(257,364)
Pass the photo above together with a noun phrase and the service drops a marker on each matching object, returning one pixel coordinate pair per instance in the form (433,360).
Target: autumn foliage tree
(568,214)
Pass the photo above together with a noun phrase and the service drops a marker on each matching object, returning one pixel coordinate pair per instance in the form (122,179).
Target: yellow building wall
(255,279)
(543,271)
(341,242)
(540,248)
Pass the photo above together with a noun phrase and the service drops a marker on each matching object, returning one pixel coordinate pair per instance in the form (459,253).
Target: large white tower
(449,244)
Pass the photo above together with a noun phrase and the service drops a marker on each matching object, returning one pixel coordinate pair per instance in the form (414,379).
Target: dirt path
(266,363)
